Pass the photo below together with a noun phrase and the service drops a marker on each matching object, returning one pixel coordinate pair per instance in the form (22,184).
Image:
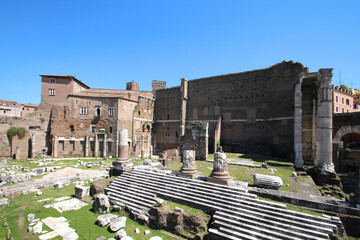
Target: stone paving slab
(48,235)
(60,225)
(67,205)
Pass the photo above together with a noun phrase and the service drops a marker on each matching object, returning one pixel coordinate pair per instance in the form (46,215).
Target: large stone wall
(256,109)
(167,118)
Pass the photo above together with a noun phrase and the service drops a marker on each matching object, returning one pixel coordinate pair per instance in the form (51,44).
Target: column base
(223,178)
(188,173)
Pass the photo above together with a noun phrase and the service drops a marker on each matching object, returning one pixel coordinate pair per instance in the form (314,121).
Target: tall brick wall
(167,118)
(256,108)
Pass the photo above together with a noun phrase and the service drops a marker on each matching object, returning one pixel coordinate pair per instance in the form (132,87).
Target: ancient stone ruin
(220,172)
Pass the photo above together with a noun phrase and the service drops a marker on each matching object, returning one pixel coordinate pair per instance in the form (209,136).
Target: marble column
(324,127)
(96,150)
(55,146)
(105,145)
(123,162)
(299,162)
(87,145)
(184,97)
(123,144)
(33,144)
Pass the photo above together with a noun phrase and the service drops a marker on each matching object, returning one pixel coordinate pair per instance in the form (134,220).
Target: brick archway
(345,130)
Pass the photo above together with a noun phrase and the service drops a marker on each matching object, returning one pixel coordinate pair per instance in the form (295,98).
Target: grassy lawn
(82,220)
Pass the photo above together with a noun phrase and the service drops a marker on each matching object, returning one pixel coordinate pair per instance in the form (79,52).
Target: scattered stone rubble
(101,204)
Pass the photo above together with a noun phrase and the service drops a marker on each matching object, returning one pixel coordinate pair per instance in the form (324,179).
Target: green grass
(255,158)
(170,206)
(82,220)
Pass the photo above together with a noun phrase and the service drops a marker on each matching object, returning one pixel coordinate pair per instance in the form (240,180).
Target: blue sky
(108,43)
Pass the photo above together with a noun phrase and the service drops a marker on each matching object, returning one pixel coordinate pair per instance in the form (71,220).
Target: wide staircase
(236,213)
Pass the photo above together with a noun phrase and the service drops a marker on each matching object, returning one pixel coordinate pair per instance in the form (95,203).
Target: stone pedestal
(220,172)
(188,168)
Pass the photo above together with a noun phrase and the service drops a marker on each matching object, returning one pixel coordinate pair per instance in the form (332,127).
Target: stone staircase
(236,213)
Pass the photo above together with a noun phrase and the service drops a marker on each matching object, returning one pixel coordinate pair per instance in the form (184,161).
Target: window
(337,109)
(347,101)
(347,110)
(111,111)
(343,110)
(83,110)
(342,100)
(52,80)
(51,92)
(71,128)
(93,128)
(97,111)
(336,98)
(110,129)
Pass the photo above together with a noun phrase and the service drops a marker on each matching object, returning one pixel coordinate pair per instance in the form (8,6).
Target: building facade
(344,101)
(10,109)
(56,88)
(28,108)
(86,121)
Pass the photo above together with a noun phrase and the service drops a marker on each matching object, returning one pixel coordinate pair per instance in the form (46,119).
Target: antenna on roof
(340,82)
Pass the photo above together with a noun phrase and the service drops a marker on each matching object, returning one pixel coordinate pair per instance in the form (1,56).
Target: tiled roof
(72,77)
(107,93)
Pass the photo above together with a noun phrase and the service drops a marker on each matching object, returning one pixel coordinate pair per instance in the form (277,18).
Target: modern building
(10,108)
(343,101)
(28,108)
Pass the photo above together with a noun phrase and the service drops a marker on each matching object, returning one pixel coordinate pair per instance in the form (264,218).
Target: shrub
(11,132)
(42,119)
(21,132)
